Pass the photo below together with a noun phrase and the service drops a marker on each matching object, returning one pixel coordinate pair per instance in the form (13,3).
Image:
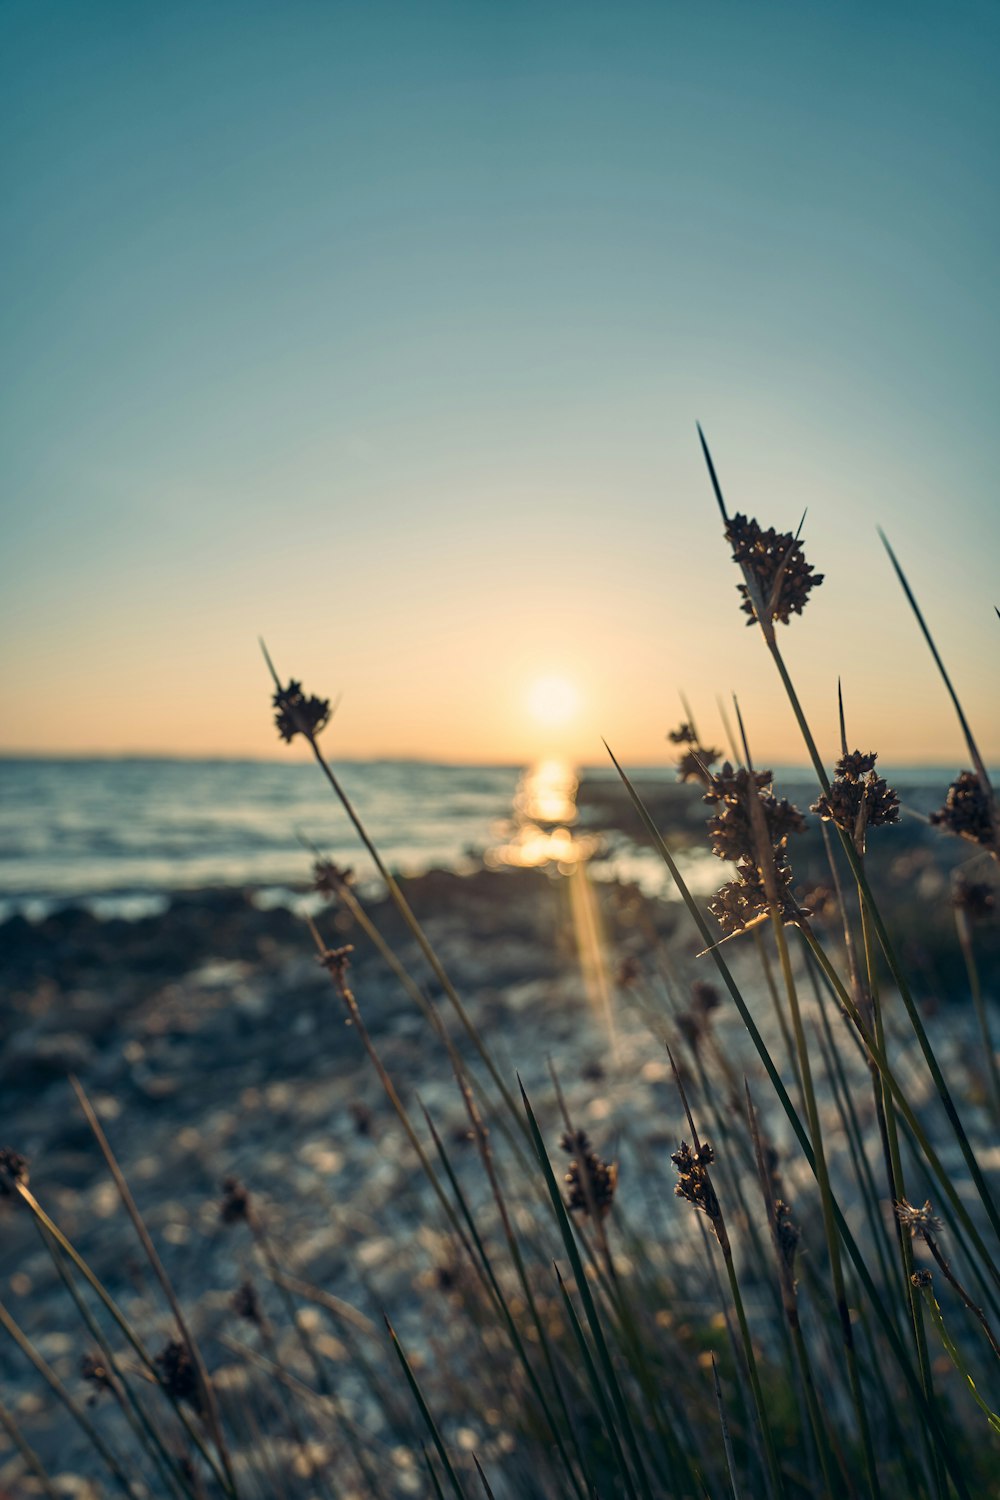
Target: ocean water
(117,834)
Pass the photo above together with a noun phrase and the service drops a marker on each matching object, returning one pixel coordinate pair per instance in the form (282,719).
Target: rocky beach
(213,1045)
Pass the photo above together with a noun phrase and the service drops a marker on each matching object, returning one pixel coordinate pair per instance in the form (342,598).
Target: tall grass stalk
(401,903)
(618,1400)
(213,1420)
(891,1334)
(864,889)
(112,1463)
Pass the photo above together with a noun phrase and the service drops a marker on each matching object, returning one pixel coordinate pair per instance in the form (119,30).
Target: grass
(844,1343)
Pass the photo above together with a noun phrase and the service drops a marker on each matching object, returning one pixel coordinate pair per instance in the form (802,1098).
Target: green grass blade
(596,1384)
(589,1306)
(956,1356)
(853,1250)
(424,1410)
(495,1289)
(970,741)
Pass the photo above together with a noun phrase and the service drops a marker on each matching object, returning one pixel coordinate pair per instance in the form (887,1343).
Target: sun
(553,701)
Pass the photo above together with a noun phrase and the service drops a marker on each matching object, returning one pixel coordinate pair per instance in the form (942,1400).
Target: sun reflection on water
(541,830)
(540,836)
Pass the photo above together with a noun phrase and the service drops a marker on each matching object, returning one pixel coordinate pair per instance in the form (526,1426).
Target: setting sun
(553,701)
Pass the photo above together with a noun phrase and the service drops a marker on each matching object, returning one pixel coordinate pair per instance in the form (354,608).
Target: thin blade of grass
(853,1250)
(503,1306)
(583,1287)
(727,1442)
(888,948)
(955,1355)
(149,1249)
(596,1384)
(31,1459)
(132,1408)
(435,1481)
(45,1370)
(970,741)
(96,1285)
(712,473)
(483,1480)
(429,1421)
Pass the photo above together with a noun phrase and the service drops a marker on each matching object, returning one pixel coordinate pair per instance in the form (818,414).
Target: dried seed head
(775,563)
(591,1181)
(730,828)
(294,713)
(787,1234)
(329,879)
(447,1276)
(13,1170)
(704,997)
(742,903)
(696,761)
(683,735)
(178,1375)
(337,960)
(695,1023)
(917,1220)
(234,1205)
(693,1181)
(975,897)
(95,1372)
(246,1304)
(968,813)
(858,798)
(629,970)
(692,1027)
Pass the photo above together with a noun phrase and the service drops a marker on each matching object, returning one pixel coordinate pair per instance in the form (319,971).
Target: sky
(381,331)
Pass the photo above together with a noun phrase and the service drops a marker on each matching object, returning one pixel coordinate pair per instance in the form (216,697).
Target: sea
(119,835)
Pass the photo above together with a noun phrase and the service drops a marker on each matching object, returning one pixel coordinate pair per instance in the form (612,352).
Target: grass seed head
(234,1206)
(629,972)
(730,829)
(743,902)
(95,1372)
(177,1373)
(776,564)
(967,813)
(294,713)
(693,1182)
(704,997)
(13,1170)
(787,1234)
(695,761)
(858,797)
(245,1303)
(337,960)
(977,898)
(591,1181)
(329,879)
(919,1221)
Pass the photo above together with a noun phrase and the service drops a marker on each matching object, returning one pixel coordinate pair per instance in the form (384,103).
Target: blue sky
(382,330)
